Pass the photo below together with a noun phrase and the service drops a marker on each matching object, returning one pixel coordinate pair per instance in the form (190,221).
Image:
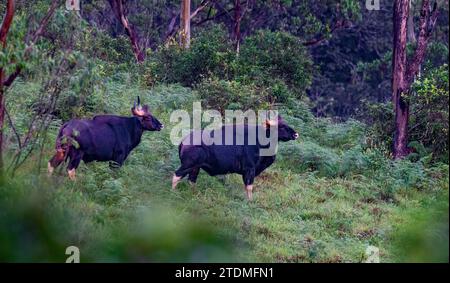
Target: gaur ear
(270,123)
(138,111)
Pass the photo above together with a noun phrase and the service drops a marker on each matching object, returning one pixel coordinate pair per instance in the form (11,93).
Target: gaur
(102,138)
(220,159)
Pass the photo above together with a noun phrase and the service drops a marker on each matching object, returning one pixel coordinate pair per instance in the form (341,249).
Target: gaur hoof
(50,168)
(249,190)
(71,174)
(175,181)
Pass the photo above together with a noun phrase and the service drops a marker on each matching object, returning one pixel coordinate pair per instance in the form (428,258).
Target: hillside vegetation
(326,199)
(329,195)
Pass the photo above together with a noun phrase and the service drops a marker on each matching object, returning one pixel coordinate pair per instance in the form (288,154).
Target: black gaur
(219,159)
(102,138)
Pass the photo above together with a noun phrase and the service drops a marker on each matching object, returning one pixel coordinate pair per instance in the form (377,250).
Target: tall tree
(404,70)
(185,36)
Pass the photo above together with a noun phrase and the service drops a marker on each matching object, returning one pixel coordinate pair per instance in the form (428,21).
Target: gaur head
(148,121)
(285,132)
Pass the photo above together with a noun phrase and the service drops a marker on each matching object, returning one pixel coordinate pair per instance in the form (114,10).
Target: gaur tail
(62,147)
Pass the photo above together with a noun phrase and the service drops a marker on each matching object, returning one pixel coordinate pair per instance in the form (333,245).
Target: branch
(6,24)
(427,22)
(118,10)
(44,22)
(19,142)
(202,6)
(245,11)
(171,28)
(339,25)
(224,12)
(10,79)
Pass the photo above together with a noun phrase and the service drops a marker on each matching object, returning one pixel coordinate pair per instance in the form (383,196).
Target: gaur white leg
(55,161)
(249,190)
(71,174)
(175,181)
(50,168)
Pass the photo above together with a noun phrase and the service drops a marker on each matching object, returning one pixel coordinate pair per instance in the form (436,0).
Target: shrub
(270,65)
(222,94)
(344,135)
(82,93)
(308,156)
(380,117)
(277,60)
(354,161)
(430,108)
(299,109)
(423,234)
(37,224)
(209,55)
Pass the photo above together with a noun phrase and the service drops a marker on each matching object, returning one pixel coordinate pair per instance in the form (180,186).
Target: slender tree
(185,35)
(237,23)
(118,9)
(4,29)
(403,70)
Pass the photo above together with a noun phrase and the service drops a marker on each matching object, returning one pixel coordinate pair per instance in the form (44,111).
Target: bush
(82,95)
(430,107)
(271,67)
(39,221)
(308,156)
(209,55)
(423,235)
(344,135)
(276,60)
(222,94)
(379,117)
(298,109)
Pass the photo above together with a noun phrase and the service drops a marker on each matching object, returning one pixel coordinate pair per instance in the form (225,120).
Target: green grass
(322,201)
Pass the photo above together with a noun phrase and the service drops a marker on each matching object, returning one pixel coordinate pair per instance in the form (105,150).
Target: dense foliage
(330,194)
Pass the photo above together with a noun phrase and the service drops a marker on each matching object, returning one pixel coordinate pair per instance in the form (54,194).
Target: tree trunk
(403,72)
(401,107)
(2,119)
(237,24)
(401,127)
(4,29)
(185,36)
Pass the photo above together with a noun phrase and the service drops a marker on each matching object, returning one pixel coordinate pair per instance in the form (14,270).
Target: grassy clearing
(327,198)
